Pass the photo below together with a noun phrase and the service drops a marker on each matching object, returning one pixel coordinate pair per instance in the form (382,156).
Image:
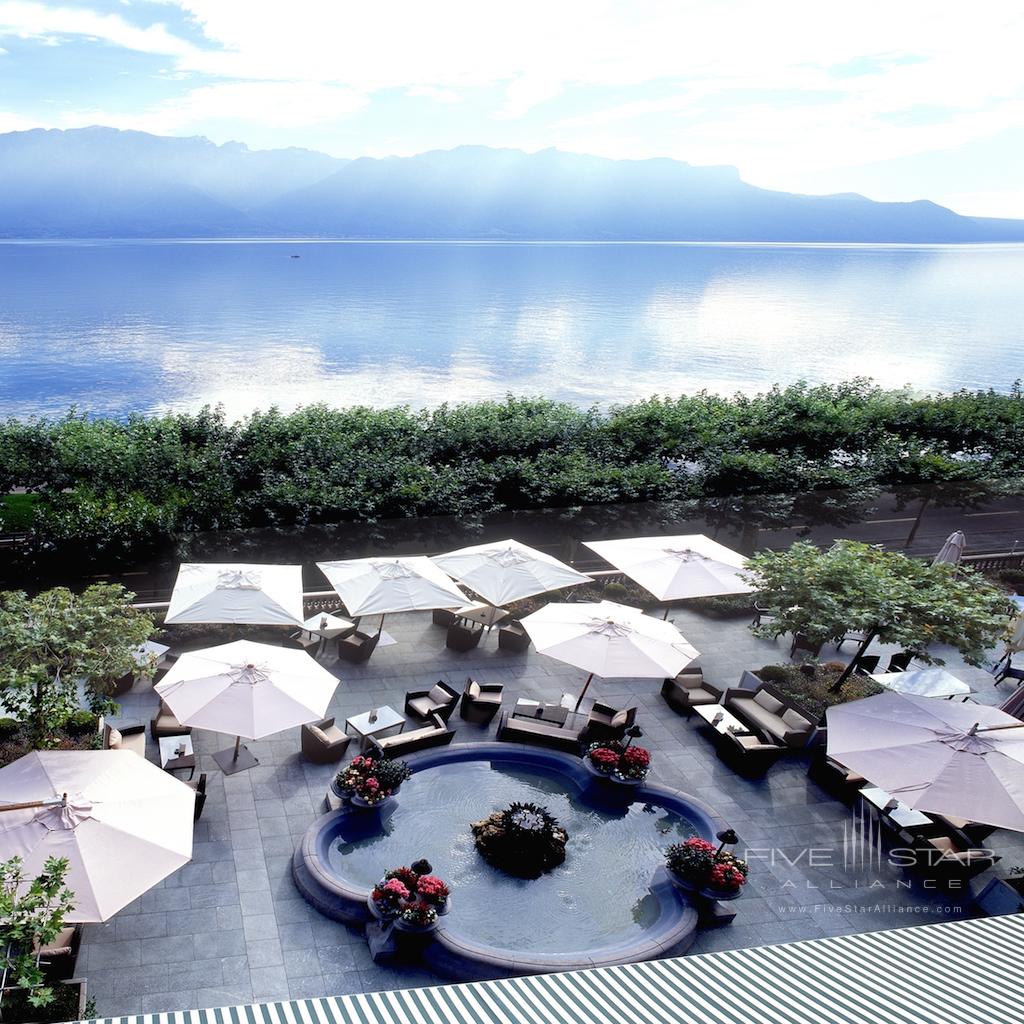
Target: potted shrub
(689,863)
(391,774)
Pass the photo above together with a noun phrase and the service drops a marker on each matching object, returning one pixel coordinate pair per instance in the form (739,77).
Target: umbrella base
(230,764)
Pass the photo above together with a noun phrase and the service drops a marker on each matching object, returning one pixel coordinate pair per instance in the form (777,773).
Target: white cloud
(432,92)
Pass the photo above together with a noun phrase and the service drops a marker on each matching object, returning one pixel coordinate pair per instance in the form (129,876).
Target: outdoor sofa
(772,712)
(436,733)
(544,734)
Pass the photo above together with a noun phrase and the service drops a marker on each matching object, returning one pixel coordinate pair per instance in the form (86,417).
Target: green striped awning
(963,972)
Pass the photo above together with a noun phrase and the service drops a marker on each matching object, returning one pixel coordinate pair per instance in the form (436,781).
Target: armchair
(323,742)
(513,637)
(357,647)
(607,723)
(440,699)
(462,637)
(480,701)
(688,690)
(164,723)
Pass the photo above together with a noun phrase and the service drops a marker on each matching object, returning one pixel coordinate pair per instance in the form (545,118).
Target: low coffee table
(170,761)
(387,718)
(722,720)
(553,713)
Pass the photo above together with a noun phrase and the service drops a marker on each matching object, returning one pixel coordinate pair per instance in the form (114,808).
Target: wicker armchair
(480,701)
(323,742)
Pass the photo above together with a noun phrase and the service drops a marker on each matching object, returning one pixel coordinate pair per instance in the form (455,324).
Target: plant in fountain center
(524,840)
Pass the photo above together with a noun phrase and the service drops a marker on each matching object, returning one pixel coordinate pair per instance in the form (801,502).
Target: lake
(115,327)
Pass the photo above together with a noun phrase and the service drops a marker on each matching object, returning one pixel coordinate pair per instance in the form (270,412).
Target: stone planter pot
(721,895)
(416,929)
(443,908)
(377,913)
(336,798)
(608,777)
(683,884)
(355,800)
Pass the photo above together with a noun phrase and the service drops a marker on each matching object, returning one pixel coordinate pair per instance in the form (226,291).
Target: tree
(30,917)
(51,642)
(884,595)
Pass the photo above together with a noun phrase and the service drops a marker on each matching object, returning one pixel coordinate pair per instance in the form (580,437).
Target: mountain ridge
(101,182)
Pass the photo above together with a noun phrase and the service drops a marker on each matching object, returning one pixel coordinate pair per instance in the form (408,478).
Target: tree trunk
(917,522)
(848,671)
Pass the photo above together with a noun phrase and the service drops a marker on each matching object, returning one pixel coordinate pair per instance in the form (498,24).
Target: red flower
(432,888)
(395,889)
(637,757)
(604,757)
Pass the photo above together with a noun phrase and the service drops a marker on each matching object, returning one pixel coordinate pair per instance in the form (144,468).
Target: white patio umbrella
(671,568)
(609,640)
(237,593)
(122,823)
(960,760)
(506,571)
(923,682)
(371,586)
(246,689)
(952,550)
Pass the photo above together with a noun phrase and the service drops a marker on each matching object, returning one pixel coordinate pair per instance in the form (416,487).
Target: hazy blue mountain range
(104,183)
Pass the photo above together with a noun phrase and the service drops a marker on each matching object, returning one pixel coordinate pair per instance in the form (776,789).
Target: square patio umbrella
(122,823)
(673,568)
(923,682)
(609,640)
(371,586)
(247,689)
(959,760)
(241,593)
(505,571)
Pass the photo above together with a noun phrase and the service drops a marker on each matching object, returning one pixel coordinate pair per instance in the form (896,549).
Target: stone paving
(231,928)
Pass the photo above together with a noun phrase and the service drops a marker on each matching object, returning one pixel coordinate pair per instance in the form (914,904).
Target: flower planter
(684,884)
(721,895)
(376,911)
(443,908)
(416,929)
(355,800)
(337,798)
(595,771)
(622,780)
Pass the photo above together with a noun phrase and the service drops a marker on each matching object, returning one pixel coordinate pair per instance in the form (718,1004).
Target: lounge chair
(357,646)
(749,753)
(532,730)
(952,856)
(866,664)
(480,701)
(303,641)
(123,684)
(323,742)
(165,723)
(462,637)
(836,777)
(444,617)
(688,690)
(804,644)
(900,662)
(437,733)
(607,723)
(200,787)
(513,637)
(60,954)
(125,737)
(440,699)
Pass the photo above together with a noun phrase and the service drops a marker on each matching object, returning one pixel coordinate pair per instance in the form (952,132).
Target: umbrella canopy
(1015,639)
(671,568)
(961,760)
(123,826)
(371,586)
(508,571)
(247,689)
(268,595)
(923,682)
(609,640)
(953,550)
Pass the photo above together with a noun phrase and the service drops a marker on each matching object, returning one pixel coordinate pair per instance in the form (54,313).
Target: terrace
(231,928)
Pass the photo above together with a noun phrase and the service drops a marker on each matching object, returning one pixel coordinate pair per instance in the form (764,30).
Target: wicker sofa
(544,734)
(772,712)
(435,734)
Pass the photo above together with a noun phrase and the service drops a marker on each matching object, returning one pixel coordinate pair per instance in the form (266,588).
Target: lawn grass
(16,512)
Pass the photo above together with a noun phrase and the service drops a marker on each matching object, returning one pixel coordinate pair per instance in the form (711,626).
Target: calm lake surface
(113,327)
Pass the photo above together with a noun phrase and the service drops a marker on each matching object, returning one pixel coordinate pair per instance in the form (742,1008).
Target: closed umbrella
(269,595)
(952,550)
(609,640)
(507,571)
(672,568)
(246,689)
(121,822)
(371,586)
(959,760)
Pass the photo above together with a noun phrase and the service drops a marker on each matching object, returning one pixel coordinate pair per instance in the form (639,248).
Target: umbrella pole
(380,625)
(27,805)
(583,693)
(238,745)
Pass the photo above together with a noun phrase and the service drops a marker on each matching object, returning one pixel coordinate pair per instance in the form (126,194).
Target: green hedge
(112,486)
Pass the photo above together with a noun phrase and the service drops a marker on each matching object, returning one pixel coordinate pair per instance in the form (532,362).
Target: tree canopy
(52,642)
(860,588)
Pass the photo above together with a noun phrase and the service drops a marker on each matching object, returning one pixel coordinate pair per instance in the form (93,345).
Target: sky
(897,100)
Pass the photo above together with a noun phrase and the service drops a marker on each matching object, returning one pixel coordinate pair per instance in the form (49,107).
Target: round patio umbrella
(952,550)
(960,760)
(237,593)
(609,640)
(671,568)
(246,689)
(507,571)
(371,586)
(122,823)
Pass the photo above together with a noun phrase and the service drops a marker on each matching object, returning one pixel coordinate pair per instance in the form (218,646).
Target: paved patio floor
(230,927)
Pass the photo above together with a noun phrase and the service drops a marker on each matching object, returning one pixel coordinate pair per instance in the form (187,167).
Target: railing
(995,562)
